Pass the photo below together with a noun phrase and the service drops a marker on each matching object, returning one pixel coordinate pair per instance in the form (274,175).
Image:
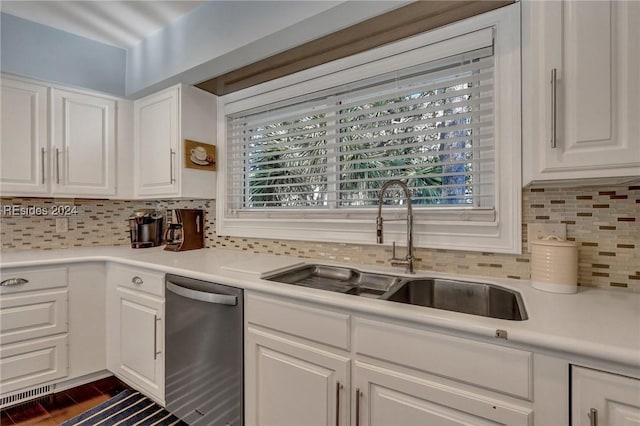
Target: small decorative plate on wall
(199,156)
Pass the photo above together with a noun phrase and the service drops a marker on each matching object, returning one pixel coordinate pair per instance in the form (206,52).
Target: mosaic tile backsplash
(604,221)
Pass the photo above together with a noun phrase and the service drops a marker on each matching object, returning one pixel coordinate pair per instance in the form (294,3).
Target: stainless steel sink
(460,296)
(341,280)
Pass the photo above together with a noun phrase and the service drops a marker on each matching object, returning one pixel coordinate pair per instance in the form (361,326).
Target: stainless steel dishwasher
(204,352)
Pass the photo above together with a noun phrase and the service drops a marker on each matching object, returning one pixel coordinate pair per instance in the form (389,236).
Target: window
(312,156)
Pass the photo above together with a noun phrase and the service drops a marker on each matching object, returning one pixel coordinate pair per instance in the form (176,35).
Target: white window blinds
(430,125)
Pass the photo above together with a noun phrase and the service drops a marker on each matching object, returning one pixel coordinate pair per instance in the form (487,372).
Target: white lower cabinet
(33,327)
(303,368)
(87,319)
(603,399)
(388,397)
(293,384)
(135,336)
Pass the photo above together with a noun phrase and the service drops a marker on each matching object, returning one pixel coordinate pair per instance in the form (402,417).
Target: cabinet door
(83,145)
(603,399)
(23,139)
(139,342)
(387,398)
(292,384)
(593,48)
(157,133)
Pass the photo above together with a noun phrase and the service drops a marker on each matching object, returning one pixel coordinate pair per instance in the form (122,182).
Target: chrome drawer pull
(358,394)
(137,280)
(593,417)
(42,165)
(155,337)
(57,165)
(13,281)
(172,157)
(554,112)
(338,387)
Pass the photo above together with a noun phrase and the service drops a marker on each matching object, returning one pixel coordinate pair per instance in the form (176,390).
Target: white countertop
(593,323)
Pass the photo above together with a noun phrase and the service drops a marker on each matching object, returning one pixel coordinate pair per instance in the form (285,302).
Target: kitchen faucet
(408,260)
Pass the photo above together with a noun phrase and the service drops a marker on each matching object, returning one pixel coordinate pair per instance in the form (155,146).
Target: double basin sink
(460,296)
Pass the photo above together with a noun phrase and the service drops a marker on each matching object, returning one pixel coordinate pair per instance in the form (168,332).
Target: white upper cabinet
(162,122)
(23,147)
(59,142)
(581,64)
(83,144)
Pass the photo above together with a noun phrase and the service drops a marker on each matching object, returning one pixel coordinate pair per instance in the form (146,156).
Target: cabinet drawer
(30,315)
(320,325)
(137,279)
(489,366)
(23,279)
(33,362)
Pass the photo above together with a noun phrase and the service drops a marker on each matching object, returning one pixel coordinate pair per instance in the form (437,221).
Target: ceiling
(115,22)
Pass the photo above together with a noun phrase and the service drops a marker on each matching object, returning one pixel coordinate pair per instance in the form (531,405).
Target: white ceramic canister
(554,265)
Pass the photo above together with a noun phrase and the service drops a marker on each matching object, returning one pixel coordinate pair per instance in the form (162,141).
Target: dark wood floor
(59,407)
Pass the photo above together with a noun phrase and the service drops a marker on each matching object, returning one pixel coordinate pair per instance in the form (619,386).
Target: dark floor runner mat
(128,408)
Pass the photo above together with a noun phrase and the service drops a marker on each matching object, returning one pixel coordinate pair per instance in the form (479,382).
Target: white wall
(37,51)
(220,36)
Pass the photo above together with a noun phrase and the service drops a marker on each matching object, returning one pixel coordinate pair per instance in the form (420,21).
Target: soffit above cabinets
(406,21)
(117,23)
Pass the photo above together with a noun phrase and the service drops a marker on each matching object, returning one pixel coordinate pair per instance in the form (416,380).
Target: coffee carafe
(186,230)
(145,228)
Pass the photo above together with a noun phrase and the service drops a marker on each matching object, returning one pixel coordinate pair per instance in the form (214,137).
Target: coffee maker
(145,228)
(186,230)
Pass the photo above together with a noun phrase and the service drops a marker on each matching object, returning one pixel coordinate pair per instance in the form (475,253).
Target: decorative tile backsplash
(604,221)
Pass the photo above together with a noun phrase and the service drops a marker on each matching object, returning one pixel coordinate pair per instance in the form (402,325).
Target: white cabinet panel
(32,362)
(24,138)
(63,142)
(87,319)
(135,338)
(34,312)
(593,48)
(84,152)
(291,384)
(603,399)
(161,123)
(421,378)
(31,315)
(319,325)
(36,278)
(493,367)
(389,398)
(157,136)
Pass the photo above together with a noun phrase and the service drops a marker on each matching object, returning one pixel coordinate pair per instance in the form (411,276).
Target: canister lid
(554,241)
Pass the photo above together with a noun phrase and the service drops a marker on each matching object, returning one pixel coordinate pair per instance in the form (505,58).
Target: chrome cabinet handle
(358,406)
(13,281)
(338,387)
(593,417)
(155,337)
(57,165)
(554,112)
(172,158)
(42,151)
(137,280)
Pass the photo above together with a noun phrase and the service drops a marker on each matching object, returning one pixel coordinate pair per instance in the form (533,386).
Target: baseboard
(82,380)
